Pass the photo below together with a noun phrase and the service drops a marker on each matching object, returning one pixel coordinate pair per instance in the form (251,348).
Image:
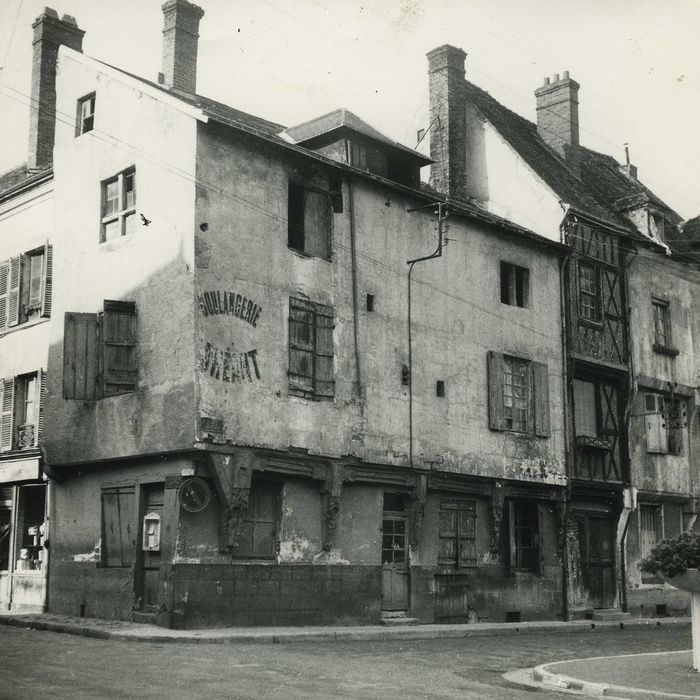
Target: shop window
(665,421)
(86,115)
(30,528)
(524,535)
(311,349)
(5,526)
(457,534)
(258,538)
(515,285)
(104,341)
(118,205)
(308,221)
(589,300)
(21,411)
(118,526)
(25,287)
(518,395)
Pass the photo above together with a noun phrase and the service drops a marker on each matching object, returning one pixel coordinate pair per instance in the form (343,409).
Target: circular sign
(194,494)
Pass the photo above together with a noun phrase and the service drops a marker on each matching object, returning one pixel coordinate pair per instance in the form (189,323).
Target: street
(37,664)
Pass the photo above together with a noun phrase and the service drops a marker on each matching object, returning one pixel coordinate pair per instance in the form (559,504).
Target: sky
(637,61)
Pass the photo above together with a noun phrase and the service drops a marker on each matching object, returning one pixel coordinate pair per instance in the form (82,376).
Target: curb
(136,632)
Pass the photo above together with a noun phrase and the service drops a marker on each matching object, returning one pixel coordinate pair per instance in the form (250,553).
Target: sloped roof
(344,118)
(687,238)
(19,175)
(522,135)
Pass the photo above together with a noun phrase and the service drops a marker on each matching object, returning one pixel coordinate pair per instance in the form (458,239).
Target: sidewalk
(136,632)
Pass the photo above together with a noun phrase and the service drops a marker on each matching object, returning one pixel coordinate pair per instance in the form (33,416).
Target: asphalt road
(37,664)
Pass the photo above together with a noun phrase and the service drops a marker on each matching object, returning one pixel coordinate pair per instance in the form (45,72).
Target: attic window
(358,155)
(656,225)
(308,221)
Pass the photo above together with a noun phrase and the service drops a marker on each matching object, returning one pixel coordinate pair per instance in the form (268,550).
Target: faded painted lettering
(226,365)
(228,303)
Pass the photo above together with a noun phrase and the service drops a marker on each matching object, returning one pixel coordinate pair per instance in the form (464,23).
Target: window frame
(15,394)
(125,208)
(298,232)
(515,285)
(319,383)
(458,535)
(662,337)
(82,118)
(523,424)
(593,295)
(517,508)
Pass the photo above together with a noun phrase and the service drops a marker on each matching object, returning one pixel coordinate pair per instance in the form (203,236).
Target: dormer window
(656,225)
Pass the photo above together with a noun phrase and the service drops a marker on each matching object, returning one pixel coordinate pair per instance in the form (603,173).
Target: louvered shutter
(47,281)
(119,369)
(324,384)
(7,405)
(13,291)
(39,406)
(4,292)
(495,382)
(540,381)
(80,353)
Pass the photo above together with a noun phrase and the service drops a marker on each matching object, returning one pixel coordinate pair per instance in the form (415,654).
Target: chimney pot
(180,37)
(546,81)
(555,78)
(566,75)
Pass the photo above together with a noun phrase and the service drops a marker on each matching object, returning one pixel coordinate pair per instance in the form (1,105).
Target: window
(662,327)
(22,408)
(518,395)
(664,422)
(258,537)
(440,388)
(310,349)
(118,205)
(309,221)
(524,520)
(656,225)
(86,115)
(586,409)
(358,155)
(25,287)
(515,285)
(104,342)
(656,522)
(118,526)
(370,302)
(5,526)
(588,292)
(457,534)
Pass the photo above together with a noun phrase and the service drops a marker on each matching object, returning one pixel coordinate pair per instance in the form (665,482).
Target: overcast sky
(638,63)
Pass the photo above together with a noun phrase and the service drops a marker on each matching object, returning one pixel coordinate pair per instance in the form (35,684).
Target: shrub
(673,556)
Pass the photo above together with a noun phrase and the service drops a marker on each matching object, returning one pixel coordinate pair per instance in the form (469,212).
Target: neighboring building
(539,176)
(26,251)
(240,430)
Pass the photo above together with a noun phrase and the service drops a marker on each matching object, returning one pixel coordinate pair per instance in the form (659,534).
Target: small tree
(673,556)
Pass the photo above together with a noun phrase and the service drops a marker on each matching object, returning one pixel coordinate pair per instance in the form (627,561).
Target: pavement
(655,675)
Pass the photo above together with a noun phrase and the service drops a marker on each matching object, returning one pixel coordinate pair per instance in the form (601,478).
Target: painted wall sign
(229,366)
(230,304)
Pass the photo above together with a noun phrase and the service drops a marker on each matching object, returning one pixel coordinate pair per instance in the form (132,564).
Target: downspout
(355,301)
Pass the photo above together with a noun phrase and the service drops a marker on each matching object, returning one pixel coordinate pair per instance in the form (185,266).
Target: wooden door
(148,573)
(597,544)
(394,553)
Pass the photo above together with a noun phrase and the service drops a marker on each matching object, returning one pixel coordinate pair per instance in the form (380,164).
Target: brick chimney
(448,133)
(180,36)
(49,33)
(557,117)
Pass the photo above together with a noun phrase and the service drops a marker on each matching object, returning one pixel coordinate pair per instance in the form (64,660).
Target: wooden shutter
(13,291)
(466,525)
(47,281)
(118,539)
(80,353)
(119,368)
(540,383)
(512,536)
(447,533)
(324,383)
(301,345)
(317,223)
(4,292)
(655,423)
(39,406)
(495,382)
(7,407)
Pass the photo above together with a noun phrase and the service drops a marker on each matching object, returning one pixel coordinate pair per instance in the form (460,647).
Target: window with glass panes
(588,292)
(516,393)
(86,115)
(119,205)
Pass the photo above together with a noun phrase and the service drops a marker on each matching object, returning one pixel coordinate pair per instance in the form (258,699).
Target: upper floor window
(308,221)
(588,292)
(25,287)
(358,155)
(118,205)
(662,327)
(664,421)
(21,411)
(518,395)
(86,115)
(515,285)
(310,349)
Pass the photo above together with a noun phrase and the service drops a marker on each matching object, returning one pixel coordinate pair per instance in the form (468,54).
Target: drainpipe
(355,309)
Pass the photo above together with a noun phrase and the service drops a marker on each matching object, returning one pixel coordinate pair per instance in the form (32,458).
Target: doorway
(147,572)
(394,553)
(596,536)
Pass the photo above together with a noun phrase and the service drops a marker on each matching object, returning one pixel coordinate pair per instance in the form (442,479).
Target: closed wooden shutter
(4,293)
(495,382)
(47,281)
(324,382)
(80,353)
(540,383)
(118,328)
(118,526)
(39,406)
(655,422)
(317,223)
(301,345)
(7,406)
(13,291)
